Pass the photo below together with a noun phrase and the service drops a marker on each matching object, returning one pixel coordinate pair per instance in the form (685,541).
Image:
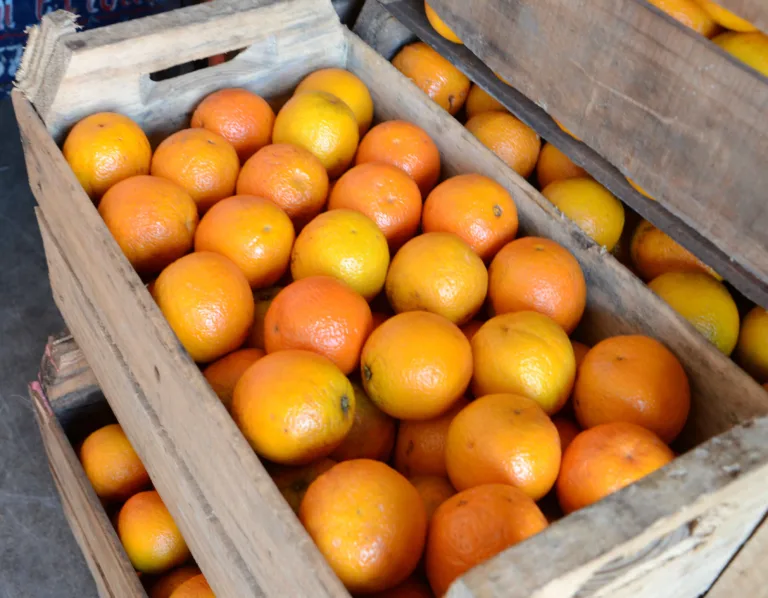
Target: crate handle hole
(193,65)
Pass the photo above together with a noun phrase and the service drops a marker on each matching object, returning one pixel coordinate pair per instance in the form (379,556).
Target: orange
(749,48)
(252,232)
(202,162)
(654,253)
(406,146)
(479,101)
(446,85)
(434,491)
(346,245)
(470,328)
(372,435)
(475,525)
(368,522)
(580,351)
(193,288)
(149,535)
(591,207)
(165,586)
(725,17)
(153,221)
(633,379)
(689,13)
(321,123)
(348,88)
(111,465)
(704,302)
(262,300)
(605,459)
(476,209)
(197,587)
(439,273)
(503,439)
(294,407)
(567,430)
(416,365)
(524,353)
(420,445)
(752,347)
(290,177)
(104,149)
(293,482)
(239,116)
(410,588)
(509,138)
(554,165)
(379,318)
(385,194)
(224,373)
(537,274)
(439,25)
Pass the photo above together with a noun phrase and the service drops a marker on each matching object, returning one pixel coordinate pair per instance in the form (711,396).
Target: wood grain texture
(381,30)
(746,575)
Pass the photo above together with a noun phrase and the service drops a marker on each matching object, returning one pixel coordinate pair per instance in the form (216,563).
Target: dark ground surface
(39,558)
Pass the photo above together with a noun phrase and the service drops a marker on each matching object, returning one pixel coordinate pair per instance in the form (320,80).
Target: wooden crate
(649,98)
(668,535)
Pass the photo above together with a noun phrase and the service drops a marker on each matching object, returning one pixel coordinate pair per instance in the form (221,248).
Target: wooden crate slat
(746,575)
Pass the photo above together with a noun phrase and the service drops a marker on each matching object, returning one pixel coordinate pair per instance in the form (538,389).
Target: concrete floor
(39,558)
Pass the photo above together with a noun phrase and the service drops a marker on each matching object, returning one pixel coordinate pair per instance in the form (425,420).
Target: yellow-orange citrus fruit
(412,587)
(689,13)
(262,300)
(470,328)
(104,149)
(224,373)
(750,48)
(580,351)
(293,482)
(165,586)
(752,347)
(369,523)
(439,25)
(479,101)
(567,429)
(434,491)
(196,587)
(416,365)
(509,138)
(725,17)
(554,165)
(348,88)
(372,435)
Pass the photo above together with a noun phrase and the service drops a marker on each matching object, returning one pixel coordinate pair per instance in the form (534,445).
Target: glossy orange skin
(503,439)
(197,587)
(149,535)
(112,465)
(207,302)
(322,315)
(690,14)
(202,162)
(406,146)
(416,365)
(294,407)
(369,523)
(434,491)
(567,429)
(239,116)
(605,459)
(168,583)
(752,347)
(475,525)
(479,101)
(289,176)
(446,85)
(224,373)
(470,328)
(104,149)
(476,209)
(633,379)
(293,482)
(509,138)
(554,165)
(384,193)
(345,86)
(252,232)
(372,435)
(262,300)
(420,445)
(537,274)
(439,25)
(410,588)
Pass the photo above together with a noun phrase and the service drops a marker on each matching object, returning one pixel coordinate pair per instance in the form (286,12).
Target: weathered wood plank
(746,575)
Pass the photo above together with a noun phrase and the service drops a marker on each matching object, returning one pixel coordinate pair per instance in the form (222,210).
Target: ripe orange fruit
(239,116)
(749,48)
(725,17)
(446,85)
(470,328)
(439,273)
(379,318)
(633,379)
(439,25)
(434,491)
(373,432)
(567,430)
(605,459)
(554,165)
(420,445)
(475,525)
(406,146)
(224,373)
(196,587)
(348,88)
(509,138)
(321,123)
(104,149)
(410,588)
(346,245)
(262,300)
(293,482)
(752,347)
(475,208)
(385,194)
(689,13)
(202,162)
(524,353)
(149,535)
(289,176)
(591,207)
(503,439)
(165,586)
(416,365)
(153,221)
(368,522)
(580,351)
(294,407)
(196,286)
(111,465)
(479,101)
(537,274)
